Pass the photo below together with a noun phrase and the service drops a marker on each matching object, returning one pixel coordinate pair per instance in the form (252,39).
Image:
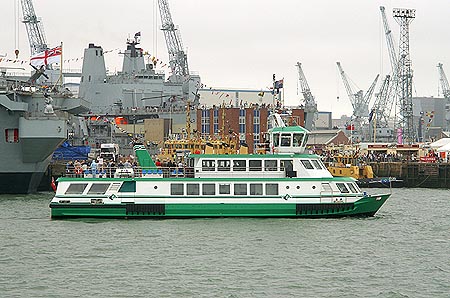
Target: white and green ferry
(285,182)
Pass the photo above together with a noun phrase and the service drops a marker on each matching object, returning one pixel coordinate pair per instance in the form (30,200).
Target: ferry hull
(364,207)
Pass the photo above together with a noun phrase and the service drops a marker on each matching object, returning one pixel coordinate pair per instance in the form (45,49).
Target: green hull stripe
(365,207)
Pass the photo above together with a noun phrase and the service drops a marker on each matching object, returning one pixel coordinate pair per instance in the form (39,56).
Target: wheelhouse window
(223,165)
(271,189)
(240,189)
(176,189)
(307,164)
(98,188)
(256,189)
(316,164)
(192,189)
(276,140)
(224,189)
(342,187)
(255,165)
(271,165)
(239,165)
(208,165)
(208,189)
(297,139)
(285,140)
(75,189)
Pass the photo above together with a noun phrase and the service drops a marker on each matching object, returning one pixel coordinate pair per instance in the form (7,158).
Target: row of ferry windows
(209,189)
(256,165)
(194,188)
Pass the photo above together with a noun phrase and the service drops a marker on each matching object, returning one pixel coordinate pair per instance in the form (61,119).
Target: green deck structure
(143,157)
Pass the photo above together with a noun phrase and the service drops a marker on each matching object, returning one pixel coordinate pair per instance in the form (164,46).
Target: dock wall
(415,174)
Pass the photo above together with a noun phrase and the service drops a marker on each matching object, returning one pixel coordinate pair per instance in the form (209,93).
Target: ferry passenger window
(128,186)
(352,187)
(75,189)
(98,188)
(208,165)
(223,165)
(176,189)
(271,189)
(239,165)
(307,164)
(316,164)
(256,189)
(240,189)
(285,140)
(286,165)
(255,165)
(276,140)
(342,187)
(208,189)
(297,139)
(271,165)
(224,189)
(192,189)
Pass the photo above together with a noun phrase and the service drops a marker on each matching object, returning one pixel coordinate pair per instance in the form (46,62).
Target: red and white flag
(47,57)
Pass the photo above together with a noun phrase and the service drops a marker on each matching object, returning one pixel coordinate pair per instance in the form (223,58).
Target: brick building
(248,123)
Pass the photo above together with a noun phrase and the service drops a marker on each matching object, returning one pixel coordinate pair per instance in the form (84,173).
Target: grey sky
(242,43)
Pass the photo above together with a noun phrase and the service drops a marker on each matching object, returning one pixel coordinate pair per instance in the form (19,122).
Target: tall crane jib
(177,57)
(389,96)
(310,104)
(34,28)
(360,103)
(446,92)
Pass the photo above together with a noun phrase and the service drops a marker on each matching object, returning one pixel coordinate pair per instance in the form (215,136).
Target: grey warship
(33,123)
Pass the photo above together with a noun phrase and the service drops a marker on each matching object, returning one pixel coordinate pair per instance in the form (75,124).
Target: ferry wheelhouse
(285,182)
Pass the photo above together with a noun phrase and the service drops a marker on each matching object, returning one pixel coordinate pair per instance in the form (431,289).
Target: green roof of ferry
(290,129)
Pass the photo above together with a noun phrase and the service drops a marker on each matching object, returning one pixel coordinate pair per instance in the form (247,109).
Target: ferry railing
(160,172)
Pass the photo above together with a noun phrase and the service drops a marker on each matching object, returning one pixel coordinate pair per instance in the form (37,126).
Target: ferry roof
(290,129)
(255,156)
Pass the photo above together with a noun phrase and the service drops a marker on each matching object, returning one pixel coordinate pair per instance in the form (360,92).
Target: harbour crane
(34,27)
(360,103)
(382,105)
(389,41)
(389,97)
(446,92)
(177,57)
(404,17)
(309,101)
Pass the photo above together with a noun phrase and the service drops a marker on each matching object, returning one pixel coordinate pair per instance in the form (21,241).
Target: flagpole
(61,67)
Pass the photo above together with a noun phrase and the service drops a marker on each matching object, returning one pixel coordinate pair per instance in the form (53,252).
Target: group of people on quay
(370,157)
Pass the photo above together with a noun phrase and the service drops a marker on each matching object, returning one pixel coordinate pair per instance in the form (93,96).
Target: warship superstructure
(33,123)
(137,92)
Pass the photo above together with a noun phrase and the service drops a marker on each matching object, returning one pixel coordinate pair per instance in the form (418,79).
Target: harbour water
(404,251)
